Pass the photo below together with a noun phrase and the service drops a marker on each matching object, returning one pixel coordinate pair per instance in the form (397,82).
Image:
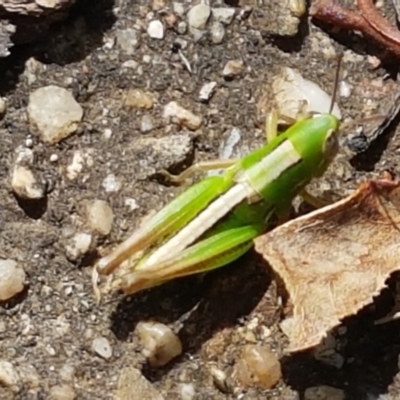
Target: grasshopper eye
(331,145)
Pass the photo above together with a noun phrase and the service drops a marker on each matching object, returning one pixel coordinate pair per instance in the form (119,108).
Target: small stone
(111,184)
(178,8)
(198,16)
(137,98)
(223,14)
(29,376)
(186,391)
(25,185)
(67,373)
(258,366)
(182,27)
(9,376)
(133,385)
(146,124)
(132,64)
(131,204)
(156,29)
(62,392)
(53,113)
(101,346)
(207,91)
(160,343)
(220,379)
(99,216)
(128,40)
(76,166)
(323,393)
(12,279)
(181,116)
(3,107)
(233,68)
(78,246)
(217,32)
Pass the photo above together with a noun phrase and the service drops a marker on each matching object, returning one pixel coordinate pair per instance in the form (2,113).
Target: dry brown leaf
(334,260)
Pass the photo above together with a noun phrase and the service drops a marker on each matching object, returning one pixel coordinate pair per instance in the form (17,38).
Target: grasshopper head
(316,140)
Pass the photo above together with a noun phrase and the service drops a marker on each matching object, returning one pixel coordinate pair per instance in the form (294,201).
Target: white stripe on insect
(204,221)
(272,166)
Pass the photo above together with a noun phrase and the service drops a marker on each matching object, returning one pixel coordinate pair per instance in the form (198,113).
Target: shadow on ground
(66,42)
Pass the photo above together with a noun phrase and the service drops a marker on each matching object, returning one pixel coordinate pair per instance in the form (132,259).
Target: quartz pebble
(101,346)
(207,91)
(146,124)
(181,116)
(3,107)
(198,16)
(258,366)
(156,29)
(9,376)
(78,246)
(12,279)
(160,343)
(25,185)
(111,184)
(99,216)
(53,113)
(233,68)
(223,14)
(217,32)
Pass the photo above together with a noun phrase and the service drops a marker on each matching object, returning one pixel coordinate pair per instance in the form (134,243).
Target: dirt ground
(47,332)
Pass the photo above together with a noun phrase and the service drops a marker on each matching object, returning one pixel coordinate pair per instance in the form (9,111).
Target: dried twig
(367,20)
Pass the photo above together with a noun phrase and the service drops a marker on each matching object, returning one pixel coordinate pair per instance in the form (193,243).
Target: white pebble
(12,278)
(156,29)
(78,246)
(76,165)
(160,343)
(181,116)
(223,14)
(146,124)
(207,91)
(8,375)
(101,346)
(99,216)
(198,16)
(3,107)
(53,113)
(291,89)
(54,158)
(111,184)
(233,68)
(344,89)
(131,204)
(217,32)
(25,185)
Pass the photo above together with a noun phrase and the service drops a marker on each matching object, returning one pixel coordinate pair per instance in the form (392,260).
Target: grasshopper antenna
(336,84)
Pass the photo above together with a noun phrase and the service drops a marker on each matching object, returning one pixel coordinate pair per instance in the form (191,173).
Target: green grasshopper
(215,221)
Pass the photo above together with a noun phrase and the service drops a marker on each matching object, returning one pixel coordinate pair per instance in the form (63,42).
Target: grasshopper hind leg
(213,252)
